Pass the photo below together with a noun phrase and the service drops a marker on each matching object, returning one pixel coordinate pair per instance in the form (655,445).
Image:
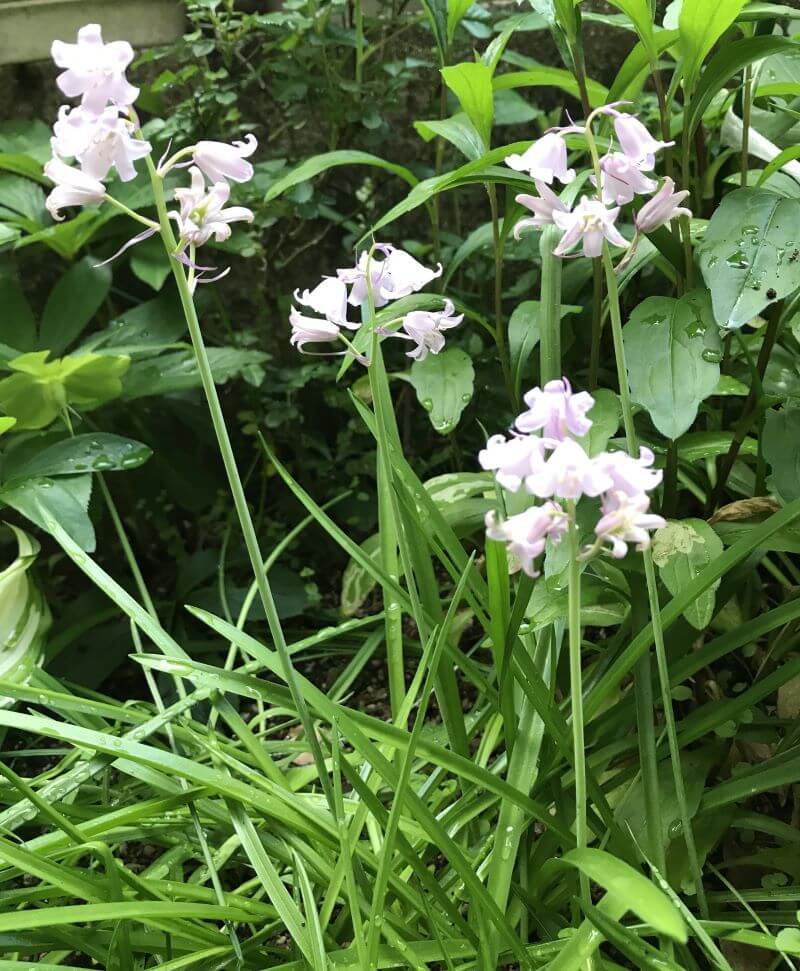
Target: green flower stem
(652,590)
(550,303)
(576,693)
(500,330)
(235,484)
(130,212)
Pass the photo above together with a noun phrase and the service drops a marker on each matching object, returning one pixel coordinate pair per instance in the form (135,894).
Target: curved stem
(235,484)
(129,212)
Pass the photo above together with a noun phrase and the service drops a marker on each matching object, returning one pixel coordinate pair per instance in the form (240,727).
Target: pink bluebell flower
(95,71)
(589,224)
(545,160)
(98,142)
(527,533)
(542,206)
(513,459)
(556,411)
(203,213)
(221,162)
(72,188)
(328,298)
(637,142)
(629,475)
(622,179)
(568,473)
(662,208)
(626,520)
(425,328)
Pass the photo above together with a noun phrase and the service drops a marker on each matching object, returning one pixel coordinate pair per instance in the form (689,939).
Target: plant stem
(747,87)
(235,484)
(597,322)
(550,304)
(500,330)
(652,590)
(359,43)
(669,503)
(576,694)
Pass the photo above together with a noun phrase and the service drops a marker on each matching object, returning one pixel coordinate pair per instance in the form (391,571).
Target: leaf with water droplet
(446,381)
(673,350)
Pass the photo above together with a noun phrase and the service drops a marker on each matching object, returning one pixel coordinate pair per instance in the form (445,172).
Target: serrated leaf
(444,384)
(673,351)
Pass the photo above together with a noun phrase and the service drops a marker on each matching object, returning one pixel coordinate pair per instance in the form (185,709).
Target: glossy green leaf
(317,164)
(673,350)
(75,299)
(101,452)
(701,24)
(177,371)
(750,256)
(471,83)
(641,16)
(456,9)
(681,551)
(606,416)
(458,130)
(438,16)
(66,500)
(444,384)
(631,888)
(554,77)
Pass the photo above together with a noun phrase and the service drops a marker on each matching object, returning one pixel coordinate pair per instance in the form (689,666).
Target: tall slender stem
(550,304)
(747,101)
(652,591)
(235,483)
(576,693)
(499,324)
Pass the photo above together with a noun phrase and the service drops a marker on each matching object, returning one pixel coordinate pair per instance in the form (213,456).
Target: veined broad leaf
(673,351)
(750,256)
(681,551)
(701,24)
(471,83)
(102,452)
(444,384)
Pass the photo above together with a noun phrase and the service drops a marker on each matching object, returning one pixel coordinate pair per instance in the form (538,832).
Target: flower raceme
(623,175)
(377,282)
(101,134)
(545,457)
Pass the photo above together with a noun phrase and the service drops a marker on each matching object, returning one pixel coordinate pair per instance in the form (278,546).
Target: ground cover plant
(403,517)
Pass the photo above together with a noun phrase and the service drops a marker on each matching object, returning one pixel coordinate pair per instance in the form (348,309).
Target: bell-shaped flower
(624,520)
(72,188)
(637,142)
(662,208)
(398,275)
(589,223)
(527,533)
(98,142)
(556,411)
(95,71)
(622,179)
(629,475)
(542,206)
(310,330)
(203,213)
(328,298)
(545,160)
(425,328)
(568,473)
(513,459)
(221,162)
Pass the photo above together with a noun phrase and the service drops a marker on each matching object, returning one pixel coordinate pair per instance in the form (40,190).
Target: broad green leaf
(510,108)
(456,9)
(471,83)
(750,256)
(554,77)
(781,433)
(150,264)
(358,583)
(681,551)
(458,130)
(40,390)
(701,24)
(102,452)
(673,351)
(523,335)
(24,616)
(730,59)
(606,415)
(177,371)
(321,163)
(148,326)
(6,423)
(444,384)
(74,300)
(66,500)
(631,888)
(438,15)
(640,15)
(19,324)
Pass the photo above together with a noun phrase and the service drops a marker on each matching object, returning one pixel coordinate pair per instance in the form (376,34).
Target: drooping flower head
(545,160)
(527,533)
(95,71)
(637,142)
(662,208)
(629,475)
(397,275)
(426,328)
(622,179)
(589,223)
(513,459)
(98,142)
(542,206)
(328,298)
(311,330)
(626,520)
(72,188)
(556,411)
(221,162)
(568,473)
(202,212)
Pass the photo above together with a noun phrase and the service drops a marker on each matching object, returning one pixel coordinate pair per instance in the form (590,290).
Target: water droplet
(695,329)
(738,260)
(710,356)
(427,404)
(674,829)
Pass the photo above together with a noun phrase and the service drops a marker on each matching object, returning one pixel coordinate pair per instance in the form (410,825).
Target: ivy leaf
(681,551)
(444,384)
(750,257)
(673,351)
